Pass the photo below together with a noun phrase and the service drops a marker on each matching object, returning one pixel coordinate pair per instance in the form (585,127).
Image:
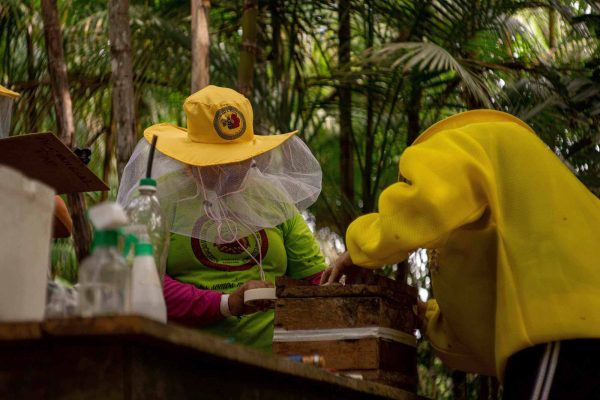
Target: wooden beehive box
(364,330)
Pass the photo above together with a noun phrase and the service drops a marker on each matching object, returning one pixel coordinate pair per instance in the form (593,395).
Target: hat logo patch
(229,122)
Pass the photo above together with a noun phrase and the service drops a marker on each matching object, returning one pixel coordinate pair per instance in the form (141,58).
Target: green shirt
(288,249)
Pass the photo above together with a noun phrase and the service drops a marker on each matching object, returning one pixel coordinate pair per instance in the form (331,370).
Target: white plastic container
(147,297)
(104,276)
(26,213)
(252,296)
(145,210)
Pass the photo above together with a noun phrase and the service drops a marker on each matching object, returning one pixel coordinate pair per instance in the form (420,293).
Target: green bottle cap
(130,240)
(143,249)
(105,238)
(148,182)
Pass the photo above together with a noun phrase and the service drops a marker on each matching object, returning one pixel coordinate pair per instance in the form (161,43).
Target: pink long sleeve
(188,305)
(314,279)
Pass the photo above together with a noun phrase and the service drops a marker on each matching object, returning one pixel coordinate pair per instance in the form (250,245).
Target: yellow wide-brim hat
(220,130)
(8,93)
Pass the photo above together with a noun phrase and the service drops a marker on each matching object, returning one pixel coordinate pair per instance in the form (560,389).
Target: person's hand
(343,267)
(236,299)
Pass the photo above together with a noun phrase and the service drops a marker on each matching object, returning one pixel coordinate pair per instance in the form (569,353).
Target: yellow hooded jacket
(517,238)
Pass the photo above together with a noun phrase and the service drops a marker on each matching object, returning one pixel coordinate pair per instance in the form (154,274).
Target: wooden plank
(177,375)
(388,362)
(42,156)
(134,342)
(118,325)
(368,353)
(61,370)
(402,294)
(22,372)
(81,369)
(339,355)
(404,381)
(20,331)
(342,312)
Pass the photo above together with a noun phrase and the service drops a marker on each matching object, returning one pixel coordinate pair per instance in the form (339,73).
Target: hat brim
(8,93)
(173,141)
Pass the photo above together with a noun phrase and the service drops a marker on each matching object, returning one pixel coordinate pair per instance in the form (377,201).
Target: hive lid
(378,286)
(42,156)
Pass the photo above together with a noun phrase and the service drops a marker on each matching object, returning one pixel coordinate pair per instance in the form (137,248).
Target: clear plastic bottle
(145,210)
(104,278)
(146,289)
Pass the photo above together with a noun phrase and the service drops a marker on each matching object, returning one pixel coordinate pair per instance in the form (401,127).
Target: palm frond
(426,56)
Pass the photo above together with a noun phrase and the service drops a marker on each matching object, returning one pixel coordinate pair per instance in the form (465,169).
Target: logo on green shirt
(228,256)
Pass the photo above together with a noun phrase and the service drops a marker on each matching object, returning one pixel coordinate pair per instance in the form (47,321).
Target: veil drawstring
(219,218)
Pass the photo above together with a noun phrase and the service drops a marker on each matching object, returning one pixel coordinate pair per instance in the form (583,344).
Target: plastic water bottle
(146,289)
(104,276)
(144,209)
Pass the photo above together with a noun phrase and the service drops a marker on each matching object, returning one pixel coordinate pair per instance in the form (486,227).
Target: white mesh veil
(224,203)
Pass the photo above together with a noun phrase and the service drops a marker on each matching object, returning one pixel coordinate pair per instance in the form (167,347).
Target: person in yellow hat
(63,224)
(233,201)
(515,235)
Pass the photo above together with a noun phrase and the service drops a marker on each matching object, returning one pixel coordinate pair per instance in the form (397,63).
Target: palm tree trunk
(122,76)
(552,29)
(275,9)
(281,80)
(32,125)
(370,133)
(109,145)
(200,44)
(58,72)
(413,109)
(345,104)
(248,53)
(64,117)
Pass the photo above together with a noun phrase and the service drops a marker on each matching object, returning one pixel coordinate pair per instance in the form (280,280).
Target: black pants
(565,370)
